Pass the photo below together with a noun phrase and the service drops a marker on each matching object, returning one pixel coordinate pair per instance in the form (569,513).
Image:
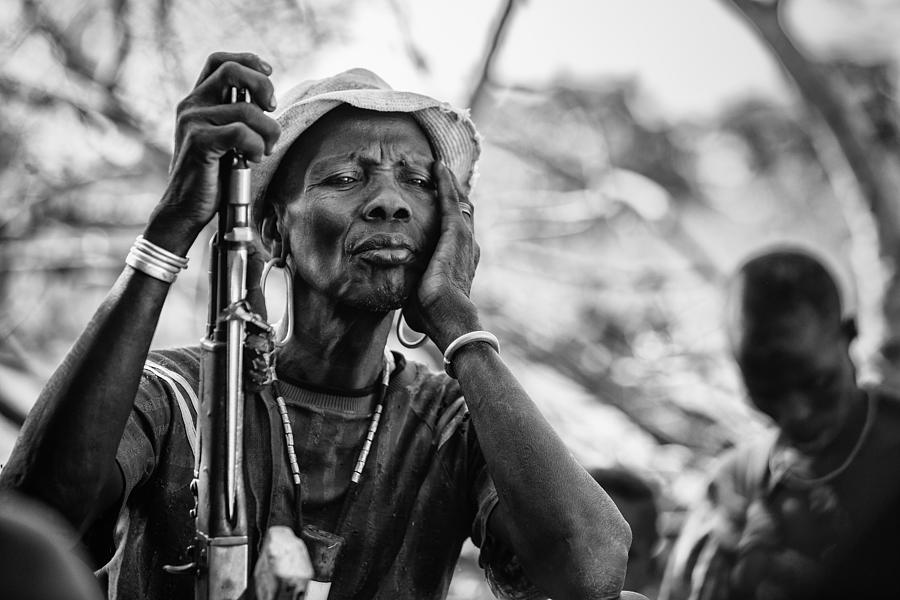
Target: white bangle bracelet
(157,252)
(150,259)
(464,340)
(154,270)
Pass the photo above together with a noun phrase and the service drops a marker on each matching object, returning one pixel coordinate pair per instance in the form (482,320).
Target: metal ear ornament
(284,327)
(411,344)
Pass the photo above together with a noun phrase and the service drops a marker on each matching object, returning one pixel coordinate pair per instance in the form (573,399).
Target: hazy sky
(689,55)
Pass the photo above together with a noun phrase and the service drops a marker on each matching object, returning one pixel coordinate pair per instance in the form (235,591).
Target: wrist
(468,343)
(172,235)
(449,328)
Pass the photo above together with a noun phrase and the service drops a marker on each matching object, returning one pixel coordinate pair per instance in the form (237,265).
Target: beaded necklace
(389,366)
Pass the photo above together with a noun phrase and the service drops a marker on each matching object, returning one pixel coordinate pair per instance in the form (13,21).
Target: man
(812,511)
(361,194)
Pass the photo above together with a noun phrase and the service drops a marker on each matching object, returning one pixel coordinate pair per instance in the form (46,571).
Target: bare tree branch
(70,53)
(553,165)
(121,10)
(98,117)
(79,63)
(416,56)
(494,42)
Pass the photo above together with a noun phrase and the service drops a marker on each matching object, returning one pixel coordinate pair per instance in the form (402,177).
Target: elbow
(75,496)
(606,560)
(591,561)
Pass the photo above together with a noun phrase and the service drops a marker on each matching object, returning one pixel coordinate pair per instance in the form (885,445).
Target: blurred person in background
(636,500)
(813,509)
(40,558)
(361,192)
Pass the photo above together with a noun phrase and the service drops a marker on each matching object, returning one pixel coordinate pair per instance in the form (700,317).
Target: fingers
(243,125)
(249,60)
(214,141)
(232,74)
(206,123)
(457,211)
(451,196)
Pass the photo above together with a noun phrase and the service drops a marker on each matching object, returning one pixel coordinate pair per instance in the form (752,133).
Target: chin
(382,299)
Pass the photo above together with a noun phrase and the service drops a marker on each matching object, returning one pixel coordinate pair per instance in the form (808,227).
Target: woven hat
(451,132)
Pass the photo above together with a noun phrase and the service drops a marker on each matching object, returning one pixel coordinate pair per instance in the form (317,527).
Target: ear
(270,233)
(848,328)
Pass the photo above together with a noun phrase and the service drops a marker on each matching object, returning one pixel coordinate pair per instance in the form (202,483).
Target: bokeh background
(634,152)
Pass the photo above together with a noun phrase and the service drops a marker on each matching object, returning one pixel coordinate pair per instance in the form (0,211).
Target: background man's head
(791,342)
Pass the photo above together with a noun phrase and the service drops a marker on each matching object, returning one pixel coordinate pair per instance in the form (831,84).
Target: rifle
(221,559)
(221,550)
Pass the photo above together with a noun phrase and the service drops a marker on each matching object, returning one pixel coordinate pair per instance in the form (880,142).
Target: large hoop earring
(412,345)
(284,327)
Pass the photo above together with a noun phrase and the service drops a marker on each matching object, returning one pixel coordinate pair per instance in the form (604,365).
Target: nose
(387,203)
(796,410)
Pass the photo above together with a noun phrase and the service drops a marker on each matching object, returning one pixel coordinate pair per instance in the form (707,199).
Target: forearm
(65,451)
(565,529)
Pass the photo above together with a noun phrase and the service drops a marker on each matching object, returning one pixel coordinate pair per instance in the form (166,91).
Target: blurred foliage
(607,231)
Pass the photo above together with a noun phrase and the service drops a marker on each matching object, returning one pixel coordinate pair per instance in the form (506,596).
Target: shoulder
(886,431)
(170,379)
(741,471)
(185,361)
(888,398)
(429,395)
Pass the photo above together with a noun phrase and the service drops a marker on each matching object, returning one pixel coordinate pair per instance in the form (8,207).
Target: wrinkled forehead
(351,130)
(347,133)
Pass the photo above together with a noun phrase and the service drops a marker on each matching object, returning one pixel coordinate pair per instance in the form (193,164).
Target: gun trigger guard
(188,569)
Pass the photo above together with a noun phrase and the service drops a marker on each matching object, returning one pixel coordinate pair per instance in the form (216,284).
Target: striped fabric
(185,396)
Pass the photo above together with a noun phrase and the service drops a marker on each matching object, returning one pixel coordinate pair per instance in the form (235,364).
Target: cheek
(317,230)
(430,220)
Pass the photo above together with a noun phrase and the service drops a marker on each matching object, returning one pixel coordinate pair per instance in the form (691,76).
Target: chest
(851,515)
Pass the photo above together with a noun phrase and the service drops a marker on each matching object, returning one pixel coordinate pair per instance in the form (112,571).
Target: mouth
(384,250)
(812,440)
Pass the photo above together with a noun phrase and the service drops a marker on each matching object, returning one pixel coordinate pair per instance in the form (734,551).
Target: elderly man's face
(359,210)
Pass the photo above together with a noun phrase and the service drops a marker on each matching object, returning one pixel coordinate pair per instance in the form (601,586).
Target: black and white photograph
(424,300)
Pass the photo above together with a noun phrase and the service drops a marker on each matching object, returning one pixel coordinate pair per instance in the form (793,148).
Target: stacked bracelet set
(150,259)
(464,340)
